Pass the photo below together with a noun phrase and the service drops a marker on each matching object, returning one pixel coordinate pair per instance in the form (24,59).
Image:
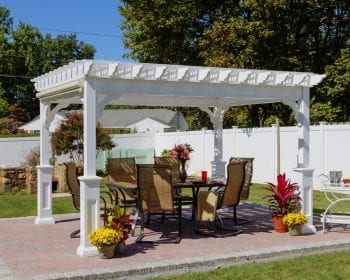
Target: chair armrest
(219,189)
(74,193)
(109,195)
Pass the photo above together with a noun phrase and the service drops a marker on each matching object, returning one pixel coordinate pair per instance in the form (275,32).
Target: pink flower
(181,151)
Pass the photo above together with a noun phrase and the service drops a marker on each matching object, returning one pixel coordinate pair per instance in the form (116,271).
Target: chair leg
(75,234)
(133,226)
(239,221)
(179,220)
(142,218)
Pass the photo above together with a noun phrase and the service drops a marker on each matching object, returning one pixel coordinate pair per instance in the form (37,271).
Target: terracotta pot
(278,225)
(295,230)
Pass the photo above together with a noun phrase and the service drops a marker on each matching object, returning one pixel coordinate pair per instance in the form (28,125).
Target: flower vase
(294,230)
(278,224)
(106,252)
(182,171)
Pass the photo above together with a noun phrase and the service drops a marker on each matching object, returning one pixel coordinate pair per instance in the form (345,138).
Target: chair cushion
(206,207)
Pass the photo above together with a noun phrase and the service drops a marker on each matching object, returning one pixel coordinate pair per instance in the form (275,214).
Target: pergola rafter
(97,83)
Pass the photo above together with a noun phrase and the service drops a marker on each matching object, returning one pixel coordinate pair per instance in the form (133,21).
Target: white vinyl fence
(329,149)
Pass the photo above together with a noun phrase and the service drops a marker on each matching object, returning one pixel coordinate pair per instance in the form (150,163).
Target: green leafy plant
(285,196)
(69,138)
(118,219)
(165,153)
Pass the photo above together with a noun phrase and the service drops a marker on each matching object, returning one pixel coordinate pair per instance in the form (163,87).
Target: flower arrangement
(116,229)
(119,220)
(292,219)
(181,151)
(104,237)
(284,197)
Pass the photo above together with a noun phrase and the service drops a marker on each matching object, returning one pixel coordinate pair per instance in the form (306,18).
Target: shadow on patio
(46,252)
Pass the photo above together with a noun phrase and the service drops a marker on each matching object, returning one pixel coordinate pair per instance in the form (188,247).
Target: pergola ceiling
(127,83)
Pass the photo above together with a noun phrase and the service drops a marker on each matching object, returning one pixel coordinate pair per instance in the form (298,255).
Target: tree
(258,34)
(168,31)
(331,102)
(69,137)
(26,53)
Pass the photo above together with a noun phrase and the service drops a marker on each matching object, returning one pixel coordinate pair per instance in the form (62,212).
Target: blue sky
(87,16)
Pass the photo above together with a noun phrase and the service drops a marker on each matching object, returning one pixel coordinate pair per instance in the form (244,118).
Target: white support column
(322,128)
(89,183)
(235,129)
(44,203)
(303,160)
(217,117)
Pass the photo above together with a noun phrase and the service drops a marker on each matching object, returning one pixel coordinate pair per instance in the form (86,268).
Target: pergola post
(44,204)
(303,160)
(89,183)
(217,118)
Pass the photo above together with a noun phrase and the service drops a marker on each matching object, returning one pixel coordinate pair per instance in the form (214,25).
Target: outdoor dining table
(194,183)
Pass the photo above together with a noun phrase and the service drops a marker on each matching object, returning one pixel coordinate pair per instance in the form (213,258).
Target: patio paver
(29,251)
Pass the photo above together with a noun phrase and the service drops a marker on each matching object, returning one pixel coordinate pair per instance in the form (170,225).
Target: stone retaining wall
(13,179)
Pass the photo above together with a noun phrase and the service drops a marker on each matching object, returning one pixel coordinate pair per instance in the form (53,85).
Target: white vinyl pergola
(97,83)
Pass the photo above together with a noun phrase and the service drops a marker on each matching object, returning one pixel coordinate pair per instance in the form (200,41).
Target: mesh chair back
(154,184)
(173,162)
(234,184)
(73,183)
(122,170)
(248,175)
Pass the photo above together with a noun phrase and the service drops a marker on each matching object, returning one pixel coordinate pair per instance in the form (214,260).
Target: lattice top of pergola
(174,73)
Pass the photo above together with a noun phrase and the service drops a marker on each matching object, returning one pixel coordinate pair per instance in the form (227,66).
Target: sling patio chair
(211,203)
(155,196)
(248,175)
(74,189)
(175,165)
(122,171)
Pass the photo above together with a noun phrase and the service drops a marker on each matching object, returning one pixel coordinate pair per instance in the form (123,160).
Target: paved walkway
(28,251)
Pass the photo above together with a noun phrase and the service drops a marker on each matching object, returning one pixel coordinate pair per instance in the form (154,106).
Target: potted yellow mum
(294,222)
(105,239)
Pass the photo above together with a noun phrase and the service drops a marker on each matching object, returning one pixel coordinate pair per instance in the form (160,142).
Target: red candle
(204,176)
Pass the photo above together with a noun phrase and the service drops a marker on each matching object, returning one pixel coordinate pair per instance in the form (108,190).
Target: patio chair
(175,165)
(234,185)
(122,170)
(211,202)
(155,195)
(74,189)
(247,176)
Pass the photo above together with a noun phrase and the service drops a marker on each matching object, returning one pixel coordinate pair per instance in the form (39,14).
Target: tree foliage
(26,53)
(332,101)
(69,137)
(258,34)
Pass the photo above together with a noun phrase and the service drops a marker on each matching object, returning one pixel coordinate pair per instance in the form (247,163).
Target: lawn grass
(22,204)
(323,266)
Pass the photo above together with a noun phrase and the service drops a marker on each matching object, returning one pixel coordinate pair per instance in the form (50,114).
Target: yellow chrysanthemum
(292,219)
